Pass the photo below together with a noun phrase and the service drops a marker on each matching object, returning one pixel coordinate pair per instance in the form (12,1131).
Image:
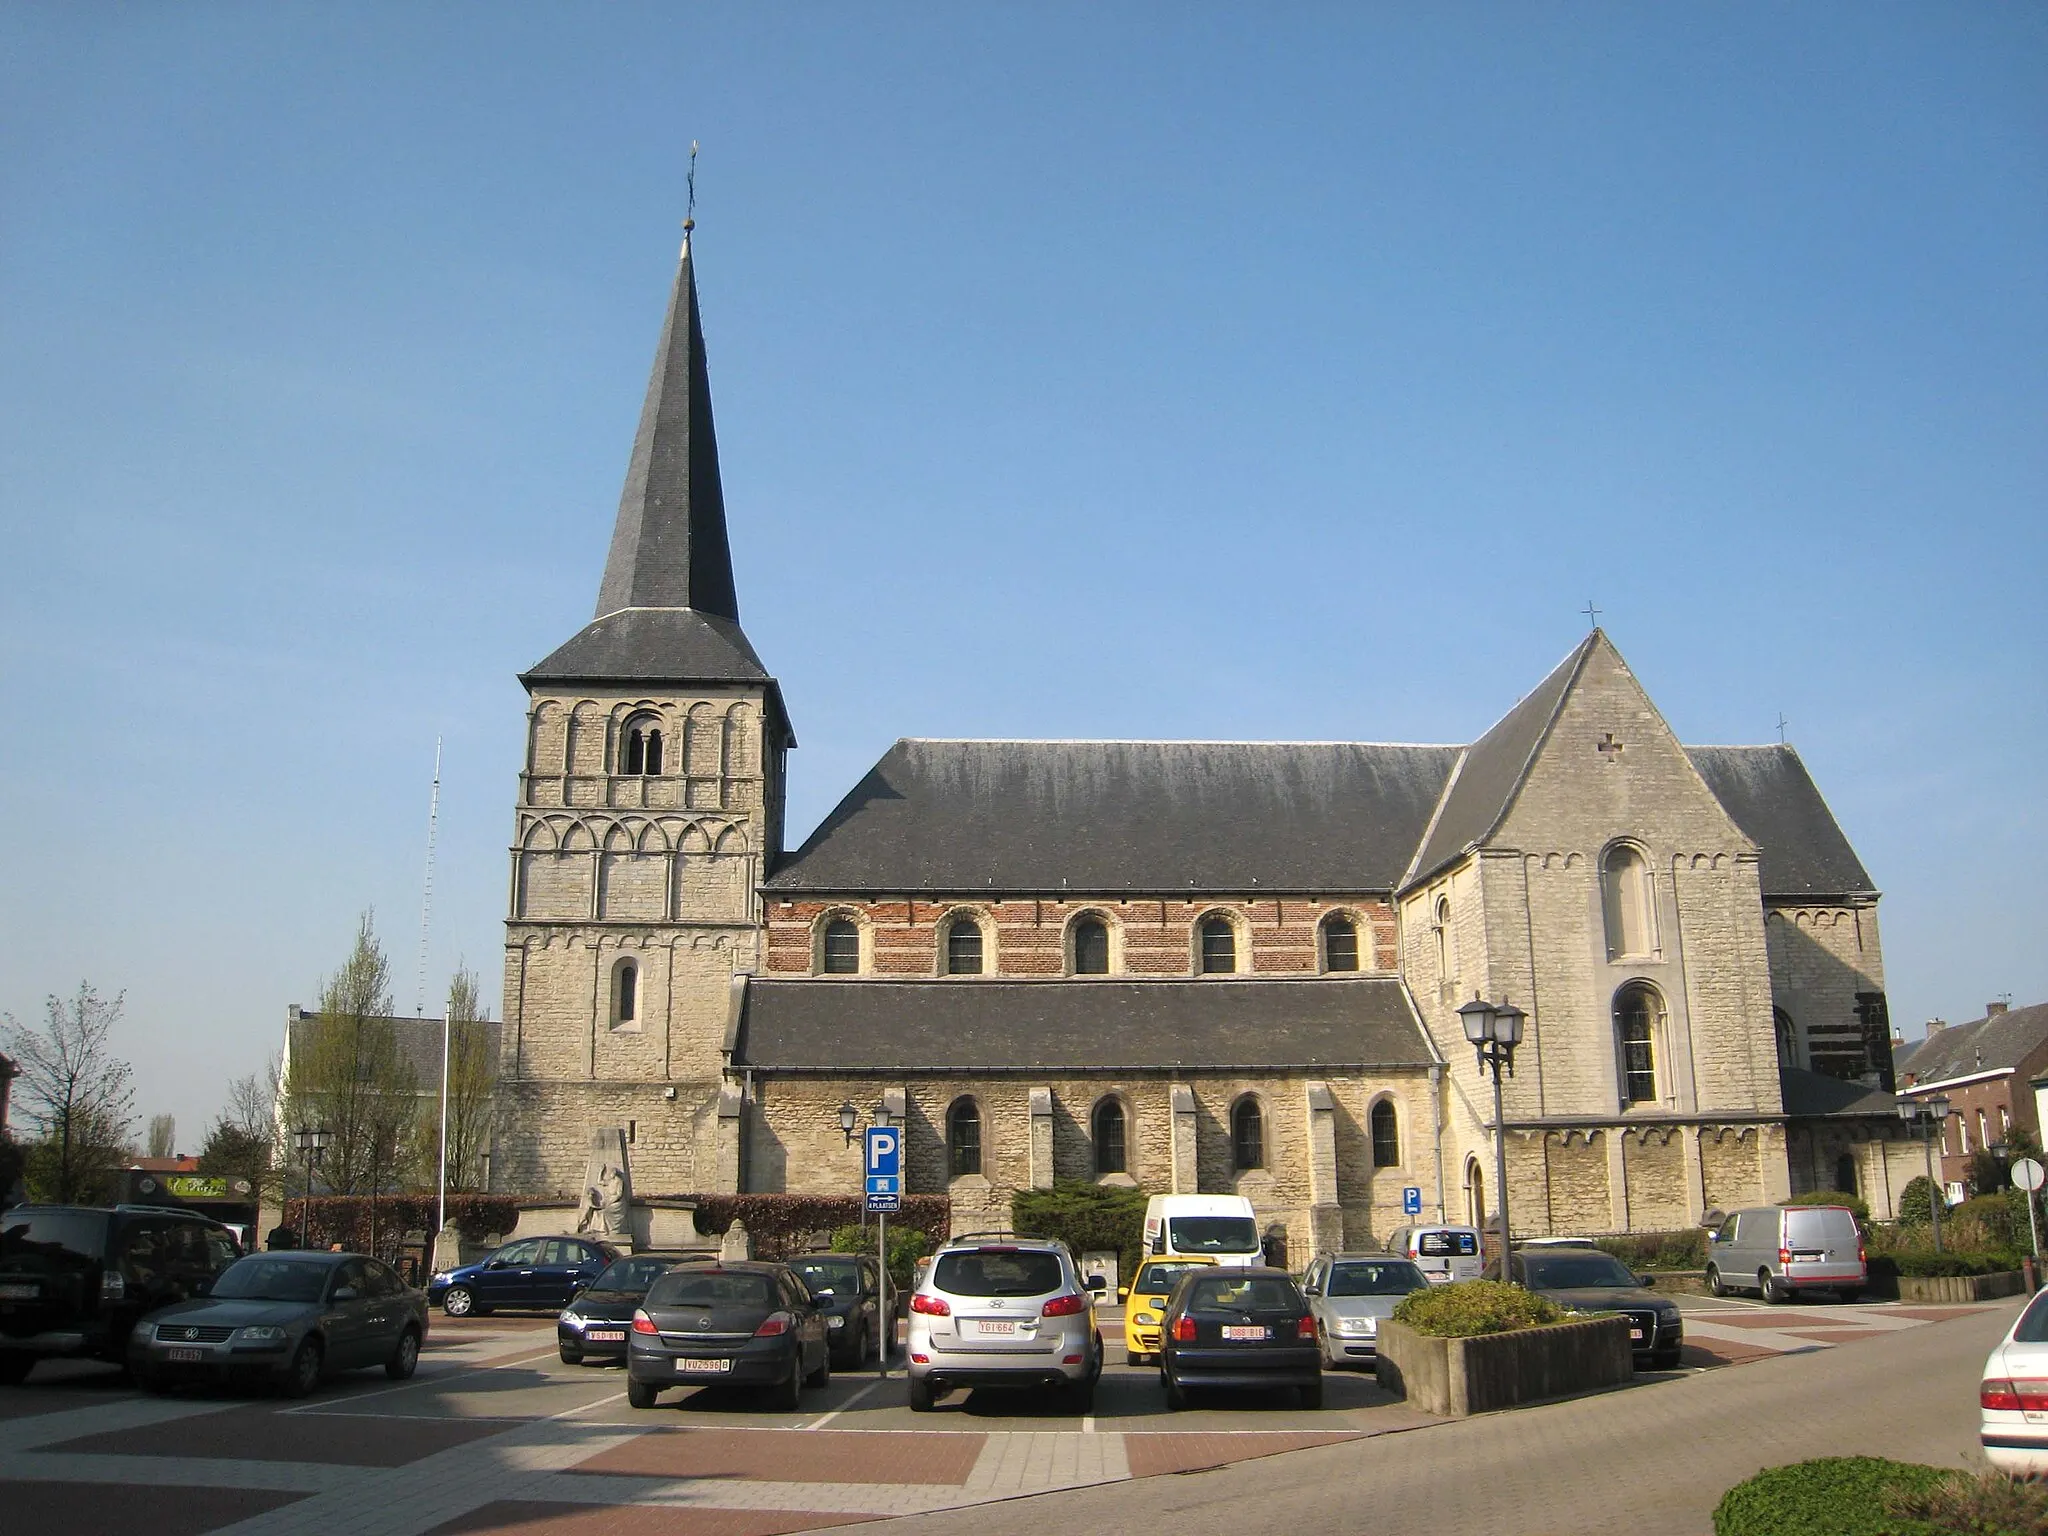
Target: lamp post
(1928,1113)
(312,1142)
(849,1117)
(1495,1029)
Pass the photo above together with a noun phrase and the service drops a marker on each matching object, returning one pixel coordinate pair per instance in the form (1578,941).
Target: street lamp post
(1495,1029)
(1928,1114)
(312,1142)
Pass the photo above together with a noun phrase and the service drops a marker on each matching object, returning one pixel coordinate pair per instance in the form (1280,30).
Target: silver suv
(1003,1312)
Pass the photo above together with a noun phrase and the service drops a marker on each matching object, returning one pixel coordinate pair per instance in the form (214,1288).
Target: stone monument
(607,1188)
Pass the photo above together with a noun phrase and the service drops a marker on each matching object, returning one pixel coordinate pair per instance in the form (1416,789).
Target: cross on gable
(1608,747)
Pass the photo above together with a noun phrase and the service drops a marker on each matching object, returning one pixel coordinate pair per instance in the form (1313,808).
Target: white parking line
(863,1392)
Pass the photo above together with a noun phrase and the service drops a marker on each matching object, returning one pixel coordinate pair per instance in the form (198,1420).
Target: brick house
(1985,1069)
(1213,966)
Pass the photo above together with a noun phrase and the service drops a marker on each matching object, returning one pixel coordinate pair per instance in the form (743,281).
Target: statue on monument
(607,1185)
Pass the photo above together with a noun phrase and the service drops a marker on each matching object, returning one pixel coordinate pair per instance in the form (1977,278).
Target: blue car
(536,1272)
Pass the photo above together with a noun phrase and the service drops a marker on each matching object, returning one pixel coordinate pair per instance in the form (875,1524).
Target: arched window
(1219,946)
(1091,947)
(1788,1038)
(963,947)
(963,1137)
(1475,1195)
(842,947)
(1340,943)
(1845,1174)
(643,746)
(1637,1013)
(1109,1137)
(1440,931)
(1247,1134)
(625,993)
(1386,1135)
(1625,895)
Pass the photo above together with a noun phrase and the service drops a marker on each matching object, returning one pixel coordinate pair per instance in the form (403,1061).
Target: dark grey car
(288,1320)
(1593,1281)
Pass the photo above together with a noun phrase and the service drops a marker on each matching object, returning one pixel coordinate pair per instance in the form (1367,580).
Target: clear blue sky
(1237,372)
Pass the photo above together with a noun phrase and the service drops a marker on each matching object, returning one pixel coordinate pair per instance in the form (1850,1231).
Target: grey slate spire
(669,548)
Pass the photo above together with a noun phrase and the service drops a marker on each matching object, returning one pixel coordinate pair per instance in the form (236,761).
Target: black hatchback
(717,1324)
(595,1323)
(75,1279)
(1239,1328)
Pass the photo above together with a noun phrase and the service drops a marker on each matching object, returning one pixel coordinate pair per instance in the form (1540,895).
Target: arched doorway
(1475,1194)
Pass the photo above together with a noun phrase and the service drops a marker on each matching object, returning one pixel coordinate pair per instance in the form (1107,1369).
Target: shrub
(1985,1505)
(906,1246)
(785,1225)
(1916,1202)
(1835,1496)
(1988,1221)
(1100,1218)
(1926,1263)
(363,1226)
(1833,1197)
(1659,1250)
(1469,1308)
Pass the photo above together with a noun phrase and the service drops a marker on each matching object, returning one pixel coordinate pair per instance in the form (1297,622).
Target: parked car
(743,1324)
(288,1319)
(1242,1329)
(1223,1227)
(595,1323)
(1442,1253)
(75,1279)
(848,1290)
(2013,1400)
(1145,1307)
(1003,1314)
(1780,1250)
(1350,1294)
(1588,1280)
(532,1272)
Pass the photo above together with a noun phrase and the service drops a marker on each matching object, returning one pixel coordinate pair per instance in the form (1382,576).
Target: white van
(1442,1253)
(1778,1251)
(1219,1227)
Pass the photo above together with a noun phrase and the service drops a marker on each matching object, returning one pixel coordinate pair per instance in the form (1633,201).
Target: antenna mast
(419,1001)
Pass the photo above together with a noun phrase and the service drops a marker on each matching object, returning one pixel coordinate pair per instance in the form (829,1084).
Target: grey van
(1779,1251)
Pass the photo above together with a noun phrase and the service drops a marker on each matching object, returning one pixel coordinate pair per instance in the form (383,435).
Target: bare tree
(472,1083)
(76,1094)
(162,1139)
(242,1142)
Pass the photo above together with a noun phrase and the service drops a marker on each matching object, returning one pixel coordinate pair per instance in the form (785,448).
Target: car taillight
(2033,1395)
(1065,1306)
(931,1306)
(642,1323)
(112,1286)
(772,1324)
(1999,1394)
(1183,1329)
(1860,1256)
(1305,1329)
(1784,1255)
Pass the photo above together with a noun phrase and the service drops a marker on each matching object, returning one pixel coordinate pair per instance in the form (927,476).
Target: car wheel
(406,1358)
(787,1395)
(570,1356)
(822,1376)
(1311,1394)
(155,1383)
(922,1398)
(303,1374)
(1133,1357)
(15,1365)
(1714,1285)
(459,1301)
(1850,1293)
(641,1394)
(1664,1360)
(1176,1397)
(1081,1395)
(1766,1287)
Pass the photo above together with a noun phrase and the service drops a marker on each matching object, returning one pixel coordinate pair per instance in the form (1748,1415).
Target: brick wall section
(1029,937)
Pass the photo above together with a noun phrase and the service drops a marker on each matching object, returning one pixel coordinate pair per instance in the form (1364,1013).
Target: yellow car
(1146,1305)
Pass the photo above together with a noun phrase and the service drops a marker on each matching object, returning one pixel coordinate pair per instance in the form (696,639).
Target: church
(1218,967)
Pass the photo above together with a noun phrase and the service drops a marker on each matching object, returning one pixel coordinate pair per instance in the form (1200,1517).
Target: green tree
(472,1085)
(348,1073)
(75,1093)
(242,1141)
(1097,1218)
(1916,1202)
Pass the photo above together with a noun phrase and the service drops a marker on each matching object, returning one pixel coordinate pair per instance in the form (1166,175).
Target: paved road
(1655,1457)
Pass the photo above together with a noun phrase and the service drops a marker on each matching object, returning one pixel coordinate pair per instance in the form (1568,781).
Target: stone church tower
(650,808)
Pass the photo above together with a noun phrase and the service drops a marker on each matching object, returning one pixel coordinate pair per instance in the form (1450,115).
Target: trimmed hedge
(783,1225)
(1089,1218)
(1833,1197)
(1659,1250)
(347,1219)
(1835,1496)
(1931,1265)
(1469,1308)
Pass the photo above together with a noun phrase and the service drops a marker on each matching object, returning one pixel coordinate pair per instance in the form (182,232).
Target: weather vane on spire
(690,212)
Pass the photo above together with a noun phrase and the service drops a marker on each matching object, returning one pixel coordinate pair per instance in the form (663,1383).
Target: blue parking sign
(884,1153)
(1411,1201)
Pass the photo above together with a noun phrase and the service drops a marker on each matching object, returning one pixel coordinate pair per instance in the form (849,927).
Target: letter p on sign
(884,1149)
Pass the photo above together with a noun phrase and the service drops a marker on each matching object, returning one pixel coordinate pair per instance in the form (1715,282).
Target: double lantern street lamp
(312,1142)
(1928,1114)
(1495,1029)
(849,1119)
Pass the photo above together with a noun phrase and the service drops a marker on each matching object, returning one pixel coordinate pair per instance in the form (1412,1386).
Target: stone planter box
(1503,1370)
(2007,1282)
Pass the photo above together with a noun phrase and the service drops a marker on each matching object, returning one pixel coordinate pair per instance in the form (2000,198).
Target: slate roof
(1154,817)
(653,645)
(1770,795)
(960,1025)
(2006,1039)
(1813,1095)
(1493,766)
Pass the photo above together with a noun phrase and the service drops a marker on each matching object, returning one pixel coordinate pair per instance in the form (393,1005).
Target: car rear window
(1353,1278)
(839,1276)
(1442,1245)
(632,1274)
(2032,1328)
(41,1242)
(1244,1294)
(988,1273)
(1818,1225)
(712,1288)
(1160,1279)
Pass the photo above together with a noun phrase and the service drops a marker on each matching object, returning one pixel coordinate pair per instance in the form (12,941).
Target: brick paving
(98,1506)
(826,1456)
(530,1518)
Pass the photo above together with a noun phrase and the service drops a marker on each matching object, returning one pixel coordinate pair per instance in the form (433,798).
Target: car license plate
(703,1367)
(185,1356)
(996,1326)
(606,1335)
(20,1292)
(1235,1331)
(1636,1334)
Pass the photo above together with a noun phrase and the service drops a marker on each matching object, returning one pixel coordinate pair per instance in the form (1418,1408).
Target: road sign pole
(888,1317)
